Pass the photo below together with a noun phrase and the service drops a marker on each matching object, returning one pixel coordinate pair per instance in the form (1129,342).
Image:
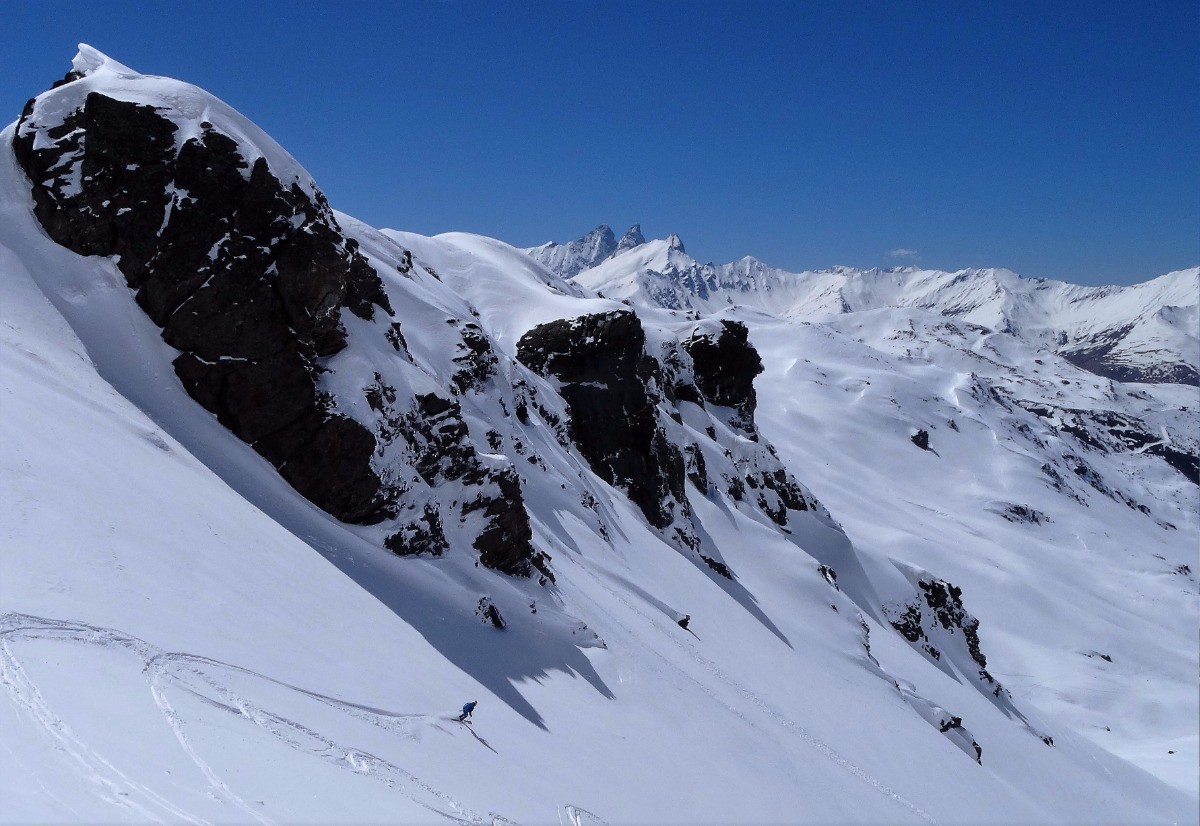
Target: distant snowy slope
(1037,496)
(1144,332)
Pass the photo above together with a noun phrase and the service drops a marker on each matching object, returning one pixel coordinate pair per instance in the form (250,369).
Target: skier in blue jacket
(467,709)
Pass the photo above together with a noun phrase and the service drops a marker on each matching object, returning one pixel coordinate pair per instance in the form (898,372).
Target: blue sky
(1061,140)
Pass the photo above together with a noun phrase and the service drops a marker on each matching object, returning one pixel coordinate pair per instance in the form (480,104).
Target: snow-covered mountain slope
(286,491)
(1068,495)
(1145,332)
(1065,506)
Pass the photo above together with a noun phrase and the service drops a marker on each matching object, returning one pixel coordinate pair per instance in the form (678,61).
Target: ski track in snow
(180,671)
(576,816)
(788,724)
(116,787)
(45,791)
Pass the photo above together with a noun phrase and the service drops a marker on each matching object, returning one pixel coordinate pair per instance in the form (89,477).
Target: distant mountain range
(1145,332)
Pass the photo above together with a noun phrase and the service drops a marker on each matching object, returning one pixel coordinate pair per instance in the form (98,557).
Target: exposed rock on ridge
(725,366)
(601,361)
(627,417)
(246,277)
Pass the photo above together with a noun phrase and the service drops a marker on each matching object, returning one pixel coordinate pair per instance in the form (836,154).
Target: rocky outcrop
(725,365)
(605,375)
(1109,431)
(476,360)
(246,276)
(487,611)
(423,535)
(505,541)
(627,417)
(1024,514)
(937,623)
(440,450)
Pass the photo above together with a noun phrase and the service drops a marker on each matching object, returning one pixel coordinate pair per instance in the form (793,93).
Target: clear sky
(1059,139)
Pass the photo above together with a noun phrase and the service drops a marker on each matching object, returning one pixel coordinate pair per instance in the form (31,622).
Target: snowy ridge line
(789,724)
(163,668)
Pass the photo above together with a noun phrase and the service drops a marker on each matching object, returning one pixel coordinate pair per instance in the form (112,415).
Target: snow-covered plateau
(715,544)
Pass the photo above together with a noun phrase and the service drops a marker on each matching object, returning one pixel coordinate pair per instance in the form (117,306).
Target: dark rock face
(921,439)
(504,543)
(617,393)
(424,535)
(477,360)
(776,493)
(246,276)
(1099,356)
(697,474)
(441,451)
(489,613)
(438,438)
(725,364)
(1024,513)
(605,373)
(937,613)
(945,601)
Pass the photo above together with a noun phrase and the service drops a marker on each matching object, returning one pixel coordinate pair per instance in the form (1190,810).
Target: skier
(467,709)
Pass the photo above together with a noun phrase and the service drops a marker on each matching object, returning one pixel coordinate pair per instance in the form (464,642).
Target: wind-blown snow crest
(187,107)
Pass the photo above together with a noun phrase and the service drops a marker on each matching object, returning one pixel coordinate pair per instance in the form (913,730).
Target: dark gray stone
(245,276)
(605,374)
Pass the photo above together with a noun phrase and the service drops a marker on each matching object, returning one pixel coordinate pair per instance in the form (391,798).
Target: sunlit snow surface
(888,352)
(184,639)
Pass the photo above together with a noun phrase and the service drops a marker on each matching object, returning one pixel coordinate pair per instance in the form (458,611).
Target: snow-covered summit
(188,107)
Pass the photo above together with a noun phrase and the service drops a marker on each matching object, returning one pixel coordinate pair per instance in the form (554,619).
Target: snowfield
(184,638)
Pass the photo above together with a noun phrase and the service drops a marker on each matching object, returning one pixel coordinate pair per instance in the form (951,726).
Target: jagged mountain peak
(632,238)
(574,257)
(603,233)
